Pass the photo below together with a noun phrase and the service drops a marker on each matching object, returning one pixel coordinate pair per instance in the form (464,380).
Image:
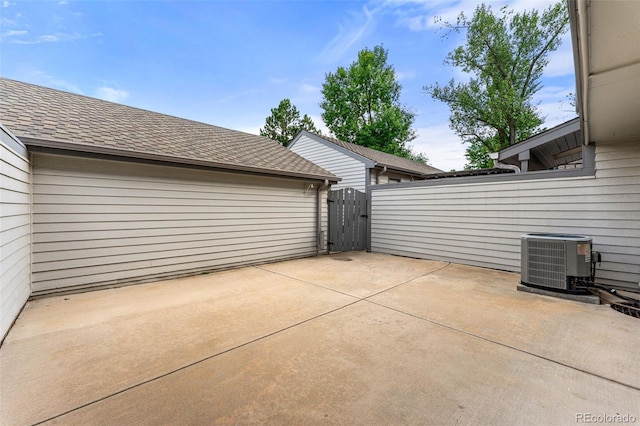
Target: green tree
(362,105)
(505,56)
(418,156)
(285,123)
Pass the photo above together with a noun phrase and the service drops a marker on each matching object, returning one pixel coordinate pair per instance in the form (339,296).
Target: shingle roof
(384,159)
(41,116)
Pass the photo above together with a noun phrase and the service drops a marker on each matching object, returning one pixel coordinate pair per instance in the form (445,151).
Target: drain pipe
(380,173)
(319,234)
(498,165)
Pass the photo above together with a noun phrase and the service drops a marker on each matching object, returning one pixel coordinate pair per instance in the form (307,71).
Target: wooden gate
(347,220)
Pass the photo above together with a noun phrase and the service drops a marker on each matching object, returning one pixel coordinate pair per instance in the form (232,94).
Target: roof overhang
(177,161)
(401,170)
(557,146)
(10,140)
(605,36)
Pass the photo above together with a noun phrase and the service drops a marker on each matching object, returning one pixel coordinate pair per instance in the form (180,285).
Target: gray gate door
(347,220)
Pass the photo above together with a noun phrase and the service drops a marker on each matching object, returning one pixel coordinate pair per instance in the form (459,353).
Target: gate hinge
(364,215)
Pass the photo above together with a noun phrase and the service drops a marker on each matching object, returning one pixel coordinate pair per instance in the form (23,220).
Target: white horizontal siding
(102,222)
(15,236)
(481,224)
(350,170)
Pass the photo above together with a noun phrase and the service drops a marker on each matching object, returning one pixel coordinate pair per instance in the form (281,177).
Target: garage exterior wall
(15,230)
(384,178)
(481,223)
(99,222)
(351,171)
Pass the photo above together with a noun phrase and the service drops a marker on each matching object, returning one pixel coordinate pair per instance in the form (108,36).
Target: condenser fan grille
(546,263)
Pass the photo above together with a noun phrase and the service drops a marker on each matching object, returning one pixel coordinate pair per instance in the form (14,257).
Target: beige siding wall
(481,224)
(384,178)
(15,235)
(102,222)
(349,169)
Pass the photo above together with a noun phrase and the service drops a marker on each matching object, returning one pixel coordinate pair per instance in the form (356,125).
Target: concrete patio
(351,338)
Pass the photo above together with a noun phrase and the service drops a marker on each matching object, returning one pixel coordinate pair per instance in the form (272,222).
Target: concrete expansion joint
(351,295)
(406,282)
(457,330)
(249,342)
(194,363)
(306,282)
(504,345)
(333,302)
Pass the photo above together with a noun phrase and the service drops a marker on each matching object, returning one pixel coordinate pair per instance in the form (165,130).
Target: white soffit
(614,70)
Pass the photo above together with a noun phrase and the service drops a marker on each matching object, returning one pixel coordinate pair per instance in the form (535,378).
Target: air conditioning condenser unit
(556,261)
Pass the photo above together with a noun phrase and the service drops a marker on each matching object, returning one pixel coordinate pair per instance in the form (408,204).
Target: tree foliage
(505,56)
(285,123)
(362,105)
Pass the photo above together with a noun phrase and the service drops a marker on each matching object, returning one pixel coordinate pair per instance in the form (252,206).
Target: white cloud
(556,113)
(55,38)
(428,16)
(309,88)
(442,147)
(561,61)
(554,105)
(111,94)
(5,21)
(405,75)
(50,38)
(553,93)
(253,130)
(522,5)
(420,15)
(43,79)
(416,23)
(349,33)
(13,33)
(304,95)
(317,120)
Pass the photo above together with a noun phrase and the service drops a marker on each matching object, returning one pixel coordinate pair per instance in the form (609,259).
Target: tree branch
(495,57)
(537,58)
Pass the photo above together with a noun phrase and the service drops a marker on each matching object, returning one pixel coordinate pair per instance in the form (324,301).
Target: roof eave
(93,149)
(541,138)
(402,170)
(12,142)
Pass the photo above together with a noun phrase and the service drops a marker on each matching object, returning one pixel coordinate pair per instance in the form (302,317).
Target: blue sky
(229,63)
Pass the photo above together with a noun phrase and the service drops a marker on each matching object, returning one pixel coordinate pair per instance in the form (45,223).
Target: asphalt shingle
(43,114)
